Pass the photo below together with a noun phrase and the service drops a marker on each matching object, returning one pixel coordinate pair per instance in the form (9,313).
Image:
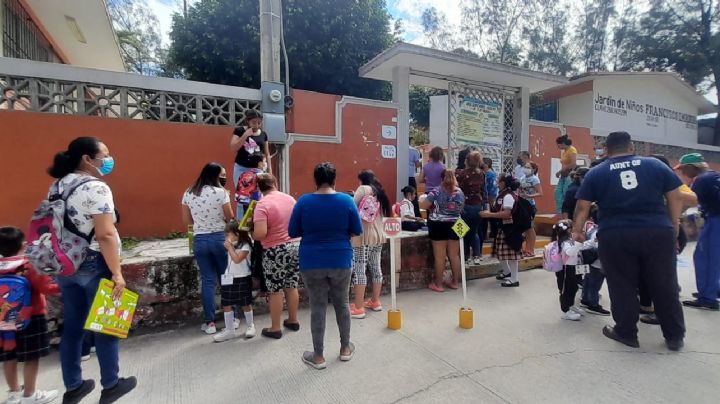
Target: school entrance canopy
(507,86)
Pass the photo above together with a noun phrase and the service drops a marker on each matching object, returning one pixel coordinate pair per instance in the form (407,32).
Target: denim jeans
(707,260)
(78,292)
(473,238)
(212,259)
(591,287)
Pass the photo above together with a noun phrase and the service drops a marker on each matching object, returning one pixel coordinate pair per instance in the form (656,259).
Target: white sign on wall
(389,132)
(645,110)
(388,151)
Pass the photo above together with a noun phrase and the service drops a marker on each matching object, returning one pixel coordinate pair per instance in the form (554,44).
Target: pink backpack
(369,207)
(55,245)
(552,258)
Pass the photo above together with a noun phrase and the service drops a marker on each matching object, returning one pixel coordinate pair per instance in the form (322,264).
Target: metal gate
(503,153)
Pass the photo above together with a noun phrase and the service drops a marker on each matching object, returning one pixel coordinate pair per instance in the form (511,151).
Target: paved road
(520,351)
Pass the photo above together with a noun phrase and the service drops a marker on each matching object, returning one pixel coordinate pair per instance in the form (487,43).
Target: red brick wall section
(543,149)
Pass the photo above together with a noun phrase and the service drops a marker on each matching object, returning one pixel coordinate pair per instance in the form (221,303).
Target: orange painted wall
(155,163)
(543,149)
(360,148)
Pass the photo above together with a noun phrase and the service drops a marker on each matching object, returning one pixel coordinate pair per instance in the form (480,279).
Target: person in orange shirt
(568,159)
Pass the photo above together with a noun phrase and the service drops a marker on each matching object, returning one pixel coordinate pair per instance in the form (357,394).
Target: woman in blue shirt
(326,220)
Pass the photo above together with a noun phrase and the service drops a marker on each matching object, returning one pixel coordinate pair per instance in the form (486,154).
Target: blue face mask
(108,163)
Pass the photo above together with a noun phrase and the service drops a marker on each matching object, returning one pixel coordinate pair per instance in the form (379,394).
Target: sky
(410,11)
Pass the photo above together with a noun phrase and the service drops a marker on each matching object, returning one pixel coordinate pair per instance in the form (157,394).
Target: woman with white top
(206,206)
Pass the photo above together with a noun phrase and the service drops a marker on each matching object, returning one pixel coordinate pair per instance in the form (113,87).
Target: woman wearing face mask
(530,189)
(246,141)
(78,171)
(206,206)
(568,159)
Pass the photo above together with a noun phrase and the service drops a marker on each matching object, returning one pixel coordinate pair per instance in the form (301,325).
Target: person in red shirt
(33,341)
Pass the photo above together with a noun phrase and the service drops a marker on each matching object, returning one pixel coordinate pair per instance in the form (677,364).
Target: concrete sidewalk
(519,351)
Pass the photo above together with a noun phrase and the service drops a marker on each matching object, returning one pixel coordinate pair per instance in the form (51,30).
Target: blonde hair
(449,181)
(473,160)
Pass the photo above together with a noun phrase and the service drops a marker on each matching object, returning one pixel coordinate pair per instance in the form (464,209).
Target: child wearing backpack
(246,188)
(561,257)
(236,282)
(24,333)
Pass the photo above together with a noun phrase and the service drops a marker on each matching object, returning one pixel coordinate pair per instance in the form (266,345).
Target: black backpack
(522,214)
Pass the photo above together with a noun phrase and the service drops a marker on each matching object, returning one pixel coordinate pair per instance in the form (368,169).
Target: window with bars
(21,36)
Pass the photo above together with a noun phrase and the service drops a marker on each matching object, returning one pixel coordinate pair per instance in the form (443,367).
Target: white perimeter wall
(439,120)
(576,110)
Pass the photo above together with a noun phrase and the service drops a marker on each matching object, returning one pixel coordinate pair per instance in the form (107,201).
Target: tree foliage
(327,41)
(138,35)
(548,48)
(592,33)
(436,29)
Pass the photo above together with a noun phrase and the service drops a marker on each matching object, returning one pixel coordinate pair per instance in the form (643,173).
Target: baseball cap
(691,159)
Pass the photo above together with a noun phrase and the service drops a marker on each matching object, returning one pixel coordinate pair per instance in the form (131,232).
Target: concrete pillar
(521,120)
(270,15)
(401,96)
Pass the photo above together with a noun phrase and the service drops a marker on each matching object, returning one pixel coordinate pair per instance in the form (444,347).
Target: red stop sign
(391,226)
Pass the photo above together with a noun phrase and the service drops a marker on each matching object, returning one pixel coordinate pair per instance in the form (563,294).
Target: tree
(681,36)
(327,41)
(592,33)
(493,27)
(420,104)
(624,28)
(548,48)
(138,35)
(435,27)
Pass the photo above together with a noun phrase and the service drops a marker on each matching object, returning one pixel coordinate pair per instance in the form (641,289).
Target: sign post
(466,314)
(392,228)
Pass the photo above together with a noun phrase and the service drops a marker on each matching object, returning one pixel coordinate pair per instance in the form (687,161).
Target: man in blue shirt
(706,185)
(639,206)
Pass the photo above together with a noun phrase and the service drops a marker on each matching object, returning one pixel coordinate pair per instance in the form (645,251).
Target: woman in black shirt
(246,141)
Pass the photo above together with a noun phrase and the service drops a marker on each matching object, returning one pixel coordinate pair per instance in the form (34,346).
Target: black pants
(567,283)
(630,256)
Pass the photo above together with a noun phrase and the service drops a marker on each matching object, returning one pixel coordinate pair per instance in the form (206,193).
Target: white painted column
(401,96)
(521,119)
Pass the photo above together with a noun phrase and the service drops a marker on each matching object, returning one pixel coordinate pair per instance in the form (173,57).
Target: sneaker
(477,260)
(123,386)
(696,304)
(225,335)
(309,359)
(357,313)
(75,396)
(435,288)
(609,331)
(469,262)
(236,324)
(209,328)
(250,332)
(85,358)
(373,305)
(577,310)
(92,350)
(348,357)
(14,397)
(40,397)
(599,310)
(571,315)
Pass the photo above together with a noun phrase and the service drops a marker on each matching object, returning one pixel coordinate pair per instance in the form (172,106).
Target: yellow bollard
(394,319)
(466,318)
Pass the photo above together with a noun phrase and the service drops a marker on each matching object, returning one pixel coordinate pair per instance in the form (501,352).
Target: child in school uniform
(32,342)
(567,278)
(236,283)
(410,222)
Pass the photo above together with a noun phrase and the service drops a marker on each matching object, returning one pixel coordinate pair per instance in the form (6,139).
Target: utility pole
(270,18)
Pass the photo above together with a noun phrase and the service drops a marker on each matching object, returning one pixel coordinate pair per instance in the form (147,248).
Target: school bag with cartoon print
(15,299)
(552,257)
(369,207)
(55,245)
(247,189)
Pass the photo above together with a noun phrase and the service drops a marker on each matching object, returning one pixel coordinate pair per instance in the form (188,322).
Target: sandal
(309,359)
(451,285)
(346,358)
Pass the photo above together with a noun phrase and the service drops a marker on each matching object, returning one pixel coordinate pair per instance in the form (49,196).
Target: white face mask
(528,171)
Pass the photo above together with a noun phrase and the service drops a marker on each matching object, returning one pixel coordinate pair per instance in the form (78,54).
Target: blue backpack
(15,296)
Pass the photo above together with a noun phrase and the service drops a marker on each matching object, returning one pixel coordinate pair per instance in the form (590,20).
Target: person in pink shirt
(280,253)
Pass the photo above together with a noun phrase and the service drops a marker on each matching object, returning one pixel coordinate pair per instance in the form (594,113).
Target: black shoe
(650,319)
(646,311)
(291,326)
(609,331)
(502,276)
(271,334)
(508,284)
(585,304)
(123,386)
(696,304)
(674,344)
(75,396)
(599,310)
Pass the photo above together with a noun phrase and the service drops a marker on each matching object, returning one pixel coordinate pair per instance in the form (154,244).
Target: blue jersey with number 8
(630,192)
